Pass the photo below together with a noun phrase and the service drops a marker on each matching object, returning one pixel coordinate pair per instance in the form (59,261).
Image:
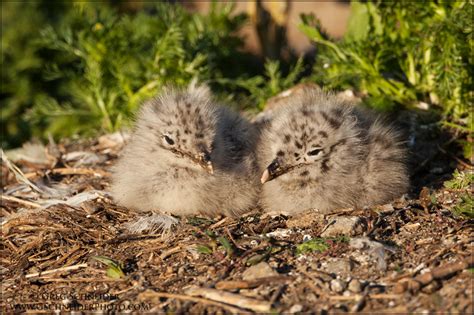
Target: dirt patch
(71,250)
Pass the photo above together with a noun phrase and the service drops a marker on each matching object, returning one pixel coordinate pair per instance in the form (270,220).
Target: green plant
(114,269)
(402,53)
(314,245)
(464,206)
(461,180)
(89,69)
(261,87)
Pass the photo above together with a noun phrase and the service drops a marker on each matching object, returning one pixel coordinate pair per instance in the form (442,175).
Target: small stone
(355,286)
(369,252)
(387,208)
(260,270)
(349,226)
(280,233)
(338,286)
(411,227)
(338,266)
(295,308)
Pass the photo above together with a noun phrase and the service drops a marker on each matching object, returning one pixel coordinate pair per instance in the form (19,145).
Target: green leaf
(358,26)
(464,206)
(203,249)
(316,36)
(314,245)
(376,19)
(226,244)
(114,270)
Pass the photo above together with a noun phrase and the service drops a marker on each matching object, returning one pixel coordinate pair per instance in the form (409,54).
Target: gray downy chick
(188,156)
(321,152)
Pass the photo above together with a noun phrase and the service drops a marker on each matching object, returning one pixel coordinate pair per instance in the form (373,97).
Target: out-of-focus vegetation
(407,53)
(81,68)
(84,67)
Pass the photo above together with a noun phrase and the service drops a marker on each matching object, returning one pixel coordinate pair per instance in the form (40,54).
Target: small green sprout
(203,249)
(114,269)
(226,244)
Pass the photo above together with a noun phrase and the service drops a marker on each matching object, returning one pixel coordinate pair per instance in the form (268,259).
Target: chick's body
(321,152)
(186,156)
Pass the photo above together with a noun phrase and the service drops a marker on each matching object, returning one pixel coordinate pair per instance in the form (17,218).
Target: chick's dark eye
(314,152)
(168,140)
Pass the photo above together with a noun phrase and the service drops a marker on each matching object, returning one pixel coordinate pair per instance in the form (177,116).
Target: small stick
(46,279)
(150,294)
(21,201)
(47,272)
(231,298)
(19,175)
(12,246)
(80,171)
(218,224)
(170,252)
(72,171)
(371,296)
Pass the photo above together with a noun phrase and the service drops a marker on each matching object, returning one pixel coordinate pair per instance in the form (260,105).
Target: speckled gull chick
(321,152)
(188,156)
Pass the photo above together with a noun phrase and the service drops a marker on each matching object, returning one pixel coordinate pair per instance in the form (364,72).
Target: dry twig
(47,272)
(231,298)
(21,201)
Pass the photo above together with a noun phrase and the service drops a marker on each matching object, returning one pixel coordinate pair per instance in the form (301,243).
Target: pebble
(349,226)
(369,252)
(338,266)
(337,285)
(280,233)
(260,270)
(295,308)
(355,286)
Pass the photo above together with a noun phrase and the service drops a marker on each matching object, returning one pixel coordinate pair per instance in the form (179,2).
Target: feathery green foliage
(261,87)
(89,70)
(403,53)
(461,180)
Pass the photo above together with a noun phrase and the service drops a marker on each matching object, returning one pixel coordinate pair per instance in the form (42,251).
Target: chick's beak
(210,168)
(206,163)
(271,172)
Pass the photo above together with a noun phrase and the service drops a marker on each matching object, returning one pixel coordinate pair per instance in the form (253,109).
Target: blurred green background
(83,68)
